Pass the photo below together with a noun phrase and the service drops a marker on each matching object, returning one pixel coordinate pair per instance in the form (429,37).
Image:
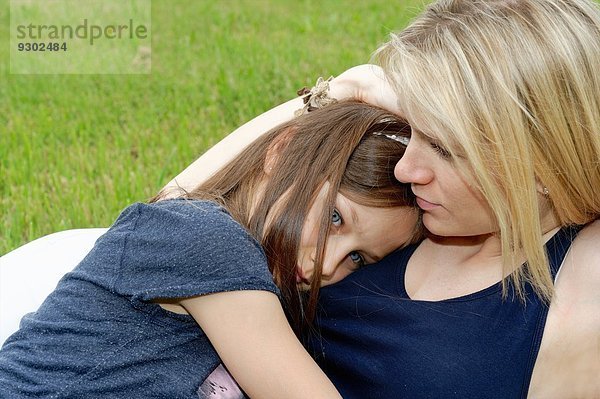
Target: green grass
(76,149)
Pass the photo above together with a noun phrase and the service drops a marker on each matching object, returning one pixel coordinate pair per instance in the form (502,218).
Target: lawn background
(77,149)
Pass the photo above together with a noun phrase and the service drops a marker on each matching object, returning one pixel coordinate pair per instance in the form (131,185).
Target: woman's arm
(363,82)
(257,345)
(568,362)
(226,149)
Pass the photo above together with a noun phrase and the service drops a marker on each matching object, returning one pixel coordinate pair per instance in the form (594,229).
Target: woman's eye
(336,218)
(441,151)
(357,258)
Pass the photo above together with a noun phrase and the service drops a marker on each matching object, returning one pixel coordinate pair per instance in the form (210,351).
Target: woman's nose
(413,169)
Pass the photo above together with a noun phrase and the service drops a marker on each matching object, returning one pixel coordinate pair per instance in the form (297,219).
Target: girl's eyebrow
(355,221)
(353,216)
(347,209)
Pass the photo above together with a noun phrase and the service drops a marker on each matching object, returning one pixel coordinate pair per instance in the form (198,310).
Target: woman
(501,299)
(178,285)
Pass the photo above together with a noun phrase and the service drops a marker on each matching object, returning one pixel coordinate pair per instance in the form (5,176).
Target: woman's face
(359,235)
(451,205)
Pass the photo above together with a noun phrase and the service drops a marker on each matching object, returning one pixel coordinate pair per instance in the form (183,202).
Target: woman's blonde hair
(513,88)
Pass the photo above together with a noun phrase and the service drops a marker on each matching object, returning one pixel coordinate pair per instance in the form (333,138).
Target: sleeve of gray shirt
(181,248)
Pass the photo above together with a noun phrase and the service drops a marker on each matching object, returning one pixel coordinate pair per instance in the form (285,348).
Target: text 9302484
(50,46)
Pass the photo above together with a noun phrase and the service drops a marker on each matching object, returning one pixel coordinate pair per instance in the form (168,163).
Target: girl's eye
(357,258)
(441,151)
(336,218)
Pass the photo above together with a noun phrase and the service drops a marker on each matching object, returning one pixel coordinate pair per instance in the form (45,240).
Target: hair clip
(400,139)
(315,98)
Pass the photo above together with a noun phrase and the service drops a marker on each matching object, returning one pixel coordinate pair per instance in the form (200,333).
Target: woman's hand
(367,83)
(364,82)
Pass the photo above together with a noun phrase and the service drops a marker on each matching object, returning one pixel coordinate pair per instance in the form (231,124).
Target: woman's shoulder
(585,253)
(590,234)
(580,271)
(577,292)
(573,325)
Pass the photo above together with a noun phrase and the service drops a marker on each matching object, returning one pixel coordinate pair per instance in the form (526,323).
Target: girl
(180,284)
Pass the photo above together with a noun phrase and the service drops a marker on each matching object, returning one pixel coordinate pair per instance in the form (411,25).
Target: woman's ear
(276,148)
(541,189)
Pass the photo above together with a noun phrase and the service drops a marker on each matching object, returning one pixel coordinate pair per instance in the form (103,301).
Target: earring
(545,191)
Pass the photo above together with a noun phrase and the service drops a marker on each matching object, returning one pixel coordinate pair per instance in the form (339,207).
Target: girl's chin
(303,286)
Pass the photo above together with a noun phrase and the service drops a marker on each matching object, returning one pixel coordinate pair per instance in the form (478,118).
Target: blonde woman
(503,298)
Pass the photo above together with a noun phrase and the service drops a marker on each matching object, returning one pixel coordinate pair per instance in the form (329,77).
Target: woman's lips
(426,205)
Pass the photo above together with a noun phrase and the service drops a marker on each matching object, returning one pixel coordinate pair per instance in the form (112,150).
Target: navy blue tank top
(373,341)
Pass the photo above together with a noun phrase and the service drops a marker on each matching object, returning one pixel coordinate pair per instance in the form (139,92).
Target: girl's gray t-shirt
(100,335)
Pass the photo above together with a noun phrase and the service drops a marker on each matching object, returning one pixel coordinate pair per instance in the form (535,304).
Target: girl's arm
(363,82)
(257,345)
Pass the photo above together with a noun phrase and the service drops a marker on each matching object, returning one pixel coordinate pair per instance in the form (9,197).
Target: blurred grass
(76,149)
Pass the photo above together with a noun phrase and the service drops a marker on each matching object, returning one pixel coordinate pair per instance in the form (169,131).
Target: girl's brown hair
(335,144)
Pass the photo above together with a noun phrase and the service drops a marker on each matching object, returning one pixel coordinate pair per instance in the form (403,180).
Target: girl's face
(359,235)
(451,205)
